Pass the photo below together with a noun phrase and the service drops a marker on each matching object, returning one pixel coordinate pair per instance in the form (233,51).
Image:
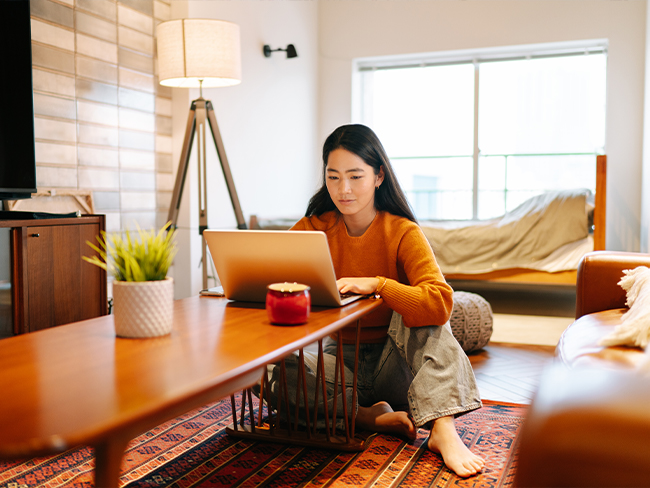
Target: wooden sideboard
(50,283)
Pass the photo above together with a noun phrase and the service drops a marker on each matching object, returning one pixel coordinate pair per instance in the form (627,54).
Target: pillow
(634,329)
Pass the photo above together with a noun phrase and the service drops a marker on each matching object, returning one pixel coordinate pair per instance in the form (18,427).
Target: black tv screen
(17,153)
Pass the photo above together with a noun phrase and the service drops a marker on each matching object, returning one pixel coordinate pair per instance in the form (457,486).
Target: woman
(412,372)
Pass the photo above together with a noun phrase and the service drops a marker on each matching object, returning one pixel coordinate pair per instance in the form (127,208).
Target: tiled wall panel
(164,106)
(102,122)
(53,177)
(136,40)
(99,179)
(136,81)
(52,12)
(107,200)
(97,48)
(55,130)
(134,200)
(96,91)
(130,159)
(48,153)
(54,106)
(164,163)
(52,58)
(97,113)
(144,6)
(137,181)
(131,139)
(137,120)
(96,70)
(137,99)
(143,219)
(163,125)
(135,20)
(161,10)
(135,61)
(163,144)
(102,8)
(102,136)
(49,82)
(164,181)
(164,201)
(52,35)
(95,156)
(113,221)
(95,27)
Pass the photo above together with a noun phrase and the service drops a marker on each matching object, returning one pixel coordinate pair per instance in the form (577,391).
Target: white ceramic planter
(143,308)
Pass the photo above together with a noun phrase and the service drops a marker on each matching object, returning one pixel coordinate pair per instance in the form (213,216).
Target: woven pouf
(471,320)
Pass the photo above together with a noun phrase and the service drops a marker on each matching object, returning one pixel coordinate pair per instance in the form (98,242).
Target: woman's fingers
(344,285)
(362,286)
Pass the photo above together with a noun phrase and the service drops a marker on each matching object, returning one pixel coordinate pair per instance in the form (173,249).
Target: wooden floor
(510,372)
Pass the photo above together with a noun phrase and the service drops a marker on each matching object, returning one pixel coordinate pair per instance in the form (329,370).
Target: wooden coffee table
(78,384)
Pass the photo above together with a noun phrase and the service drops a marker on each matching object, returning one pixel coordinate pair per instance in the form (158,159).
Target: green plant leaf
(127,259)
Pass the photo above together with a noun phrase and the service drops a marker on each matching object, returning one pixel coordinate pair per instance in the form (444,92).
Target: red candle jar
(288,303)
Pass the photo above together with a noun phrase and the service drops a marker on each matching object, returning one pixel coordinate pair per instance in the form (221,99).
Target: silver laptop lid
(247,261)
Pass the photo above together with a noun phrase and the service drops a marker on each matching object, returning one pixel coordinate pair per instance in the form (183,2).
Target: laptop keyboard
(348,295)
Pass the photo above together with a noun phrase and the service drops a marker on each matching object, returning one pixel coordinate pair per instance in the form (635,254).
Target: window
(473,136)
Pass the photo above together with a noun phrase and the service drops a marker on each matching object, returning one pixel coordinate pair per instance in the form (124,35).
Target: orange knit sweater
(394,248)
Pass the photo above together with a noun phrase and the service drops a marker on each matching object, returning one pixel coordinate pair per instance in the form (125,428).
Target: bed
(540,243)
(558,267)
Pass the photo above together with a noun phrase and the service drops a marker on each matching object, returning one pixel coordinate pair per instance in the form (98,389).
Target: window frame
(475,57)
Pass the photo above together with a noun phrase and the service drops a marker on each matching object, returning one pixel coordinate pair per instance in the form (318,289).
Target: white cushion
(634,329)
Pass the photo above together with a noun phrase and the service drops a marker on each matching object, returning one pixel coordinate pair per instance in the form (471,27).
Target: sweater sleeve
(427,299)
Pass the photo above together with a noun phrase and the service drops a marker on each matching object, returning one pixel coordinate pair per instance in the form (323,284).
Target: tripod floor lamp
(197,53)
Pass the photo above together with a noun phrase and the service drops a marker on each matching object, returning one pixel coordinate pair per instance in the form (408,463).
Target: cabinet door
(40,281)
(92,286)
(61,287)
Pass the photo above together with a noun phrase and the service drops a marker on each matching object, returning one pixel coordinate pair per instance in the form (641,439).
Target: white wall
(268,123)
(274,123)
(360,28)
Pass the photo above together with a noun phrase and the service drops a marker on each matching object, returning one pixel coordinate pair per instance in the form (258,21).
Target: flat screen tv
(17,153)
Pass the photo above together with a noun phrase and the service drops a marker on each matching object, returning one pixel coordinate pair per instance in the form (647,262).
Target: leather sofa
(589,422)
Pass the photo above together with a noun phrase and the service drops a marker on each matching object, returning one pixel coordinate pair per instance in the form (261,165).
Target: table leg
(309,436)
(304,391)
(346,419)
(335,401)
(354,377)
(234,411)
(285,390)
(321,365)
(108,462)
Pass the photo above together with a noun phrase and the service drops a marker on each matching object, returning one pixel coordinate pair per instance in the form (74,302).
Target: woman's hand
(360,286)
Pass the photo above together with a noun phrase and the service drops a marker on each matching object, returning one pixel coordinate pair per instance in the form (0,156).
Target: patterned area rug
(194,451)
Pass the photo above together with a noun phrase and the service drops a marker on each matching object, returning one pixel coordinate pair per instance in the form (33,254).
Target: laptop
(247,261)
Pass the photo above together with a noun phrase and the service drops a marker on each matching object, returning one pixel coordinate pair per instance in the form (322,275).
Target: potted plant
(143,296)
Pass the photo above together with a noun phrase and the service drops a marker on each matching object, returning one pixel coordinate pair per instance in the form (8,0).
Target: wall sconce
(291,51)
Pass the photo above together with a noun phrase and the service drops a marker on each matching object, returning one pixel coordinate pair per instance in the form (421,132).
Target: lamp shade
(190,50)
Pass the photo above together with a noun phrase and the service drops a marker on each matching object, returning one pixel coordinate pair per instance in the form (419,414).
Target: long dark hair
(362,141)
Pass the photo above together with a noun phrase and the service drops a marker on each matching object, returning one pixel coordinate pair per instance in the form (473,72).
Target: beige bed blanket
(518,239)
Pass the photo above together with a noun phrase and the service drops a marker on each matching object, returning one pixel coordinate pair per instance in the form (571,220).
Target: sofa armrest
(586,427)
(599,272)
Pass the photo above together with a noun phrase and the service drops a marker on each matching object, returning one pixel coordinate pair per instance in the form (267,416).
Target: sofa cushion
(579,344)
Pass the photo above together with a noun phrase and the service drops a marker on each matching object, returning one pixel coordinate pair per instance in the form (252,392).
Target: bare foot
(381,418)
(445,440)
